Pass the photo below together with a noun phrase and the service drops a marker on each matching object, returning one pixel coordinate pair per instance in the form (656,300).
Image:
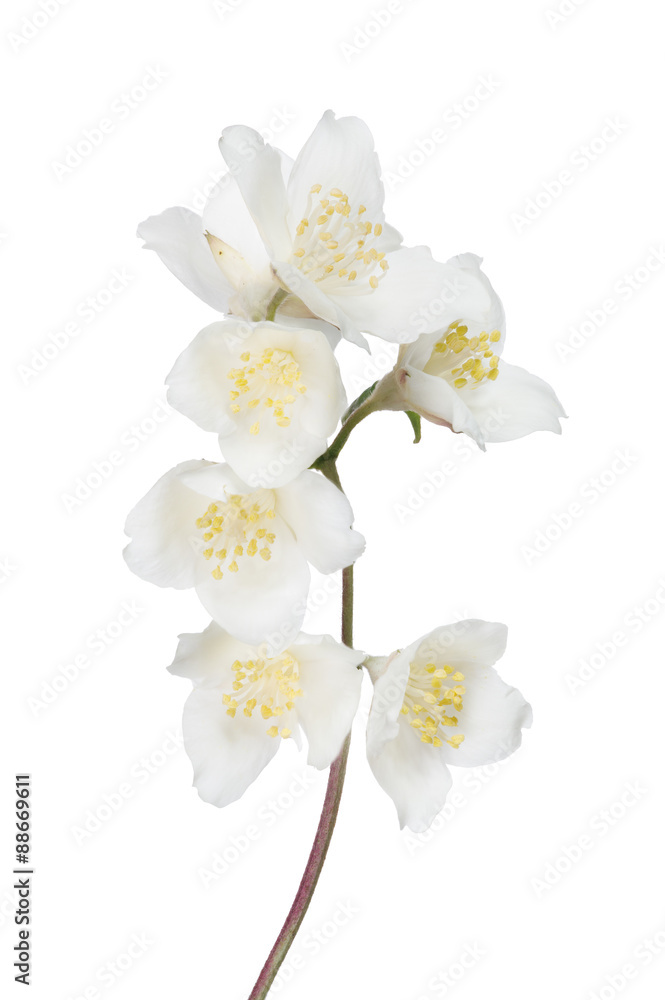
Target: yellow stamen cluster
(237,527)
(269,686)
(334,244)
(427,701)
(261,383)
(465,361)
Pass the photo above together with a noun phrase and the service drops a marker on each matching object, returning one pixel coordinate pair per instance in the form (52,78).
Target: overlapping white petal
(245,701)
(456,376)
(273,394)
(201,526)
(436,703)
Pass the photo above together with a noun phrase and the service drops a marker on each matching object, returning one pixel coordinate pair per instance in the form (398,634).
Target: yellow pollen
(425,699)
(329,234)
(240,524)
(263,374)
(464,361)
(271,686)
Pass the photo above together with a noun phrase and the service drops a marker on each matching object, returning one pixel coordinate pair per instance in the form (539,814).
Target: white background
(396,913)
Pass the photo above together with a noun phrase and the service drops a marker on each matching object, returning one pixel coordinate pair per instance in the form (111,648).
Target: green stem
(326,462)
(328,814)
(275,303)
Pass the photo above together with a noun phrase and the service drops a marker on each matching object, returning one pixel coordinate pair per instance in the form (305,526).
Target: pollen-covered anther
(269,686)
(464,361)
(237,525)
(425,701)
(262,377)
(331,239)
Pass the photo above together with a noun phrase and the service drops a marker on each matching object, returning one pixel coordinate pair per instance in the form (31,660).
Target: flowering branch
(244,532)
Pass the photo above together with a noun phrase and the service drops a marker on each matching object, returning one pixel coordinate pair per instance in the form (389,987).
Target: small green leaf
(415,423)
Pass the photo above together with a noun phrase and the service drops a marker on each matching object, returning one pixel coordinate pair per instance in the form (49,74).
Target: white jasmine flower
(272,393)
(246,551)
(457,377)
(315,228)
(436,703)
(245,702)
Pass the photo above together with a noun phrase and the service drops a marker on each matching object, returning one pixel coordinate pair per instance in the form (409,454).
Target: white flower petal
(411,298)
(415,776)
(437,400)
(177,237)
(331,682)
(257,169)
(384,714)
(206,657)
(492,719)
(467,642)
(338,154)
(161,549)
(213,480)
(226,216)
(515,404)
(227,753)
(198,384)
(317,302)
(320,516)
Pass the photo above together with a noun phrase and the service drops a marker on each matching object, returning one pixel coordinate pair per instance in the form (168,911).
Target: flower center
(237,527)
(334,244)
(461,359)
(271,380)
(426,702)
(269,686)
